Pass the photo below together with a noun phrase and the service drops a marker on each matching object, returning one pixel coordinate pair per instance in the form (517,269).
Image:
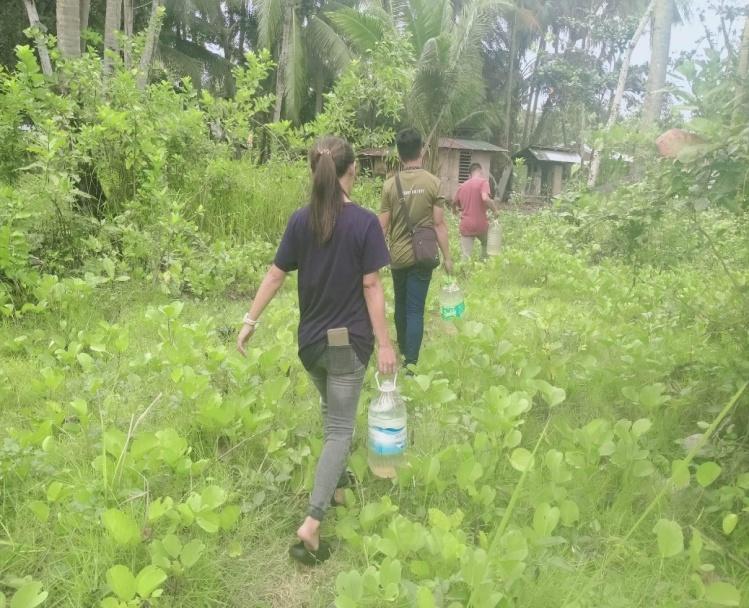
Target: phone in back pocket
(338,336)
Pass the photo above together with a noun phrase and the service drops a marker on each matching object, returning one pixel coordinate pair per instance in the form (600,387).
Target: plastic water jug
(494,239)
(452,305)
(387,435)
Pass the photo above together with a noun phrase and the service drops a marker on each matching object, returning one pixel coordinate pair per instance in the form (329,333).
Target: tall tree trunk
(128,17)
(595,163)
(534,116)
(69,28)
(152,36)
(663,19)
(530,116)
(511,82)
(41,47)
(743,67)
(283,58)
(85,10)
(242,31)
(112,25)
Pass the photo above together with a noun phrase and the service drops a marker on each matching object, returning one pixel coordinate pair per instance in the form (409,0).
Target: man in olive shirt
(421,191)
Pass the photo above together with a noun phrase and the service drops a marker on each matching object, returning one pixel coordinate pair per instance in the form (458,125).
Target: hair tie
(322,151)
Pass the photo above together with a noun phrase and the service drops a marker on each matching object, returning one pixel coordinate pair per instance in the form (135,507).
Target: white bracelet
(247,320)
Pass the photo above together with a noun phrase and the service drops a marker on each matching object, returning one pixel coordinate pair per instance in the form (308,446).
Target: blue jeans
(411,286)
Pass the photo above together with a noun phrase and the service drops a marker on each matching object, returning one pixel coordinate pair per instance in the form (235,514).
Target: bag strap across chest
(402,200)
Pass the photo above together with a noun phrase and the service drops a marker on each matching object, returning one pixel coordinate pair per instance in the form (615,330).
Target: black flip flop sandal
(310,558)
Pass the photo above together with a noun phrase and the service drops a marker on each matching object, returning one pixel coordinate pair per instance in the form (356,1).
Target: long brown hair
(329,159)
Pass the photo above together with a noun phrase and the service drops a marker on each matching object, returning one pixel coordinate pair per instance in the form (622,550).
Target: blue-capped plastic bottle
(452,304)
(387,435)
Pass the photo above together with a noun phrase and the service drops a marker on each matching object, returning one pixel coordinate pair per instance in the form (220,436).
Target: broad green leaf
(121,527)
(229,517)
(513,546)
(172,545)
(545,519)
(122,582)
(643,468)
(425,598)
(743,481)
(191,553)
(86,361)
(29,595)
(210,521)
(652,396)
(40,510)
(553,395)
(729,523)
(720,593)
(641,426)
(53,491)
(513,439)
(159,507)
(521,459)
(707,473)
(350,586)
(148,580)
(570,513)
(670,537)
(390,575)
(213,497)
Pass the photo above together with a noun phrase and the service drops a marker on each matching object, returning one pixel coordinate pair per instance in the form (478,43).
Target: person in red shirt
(472,198)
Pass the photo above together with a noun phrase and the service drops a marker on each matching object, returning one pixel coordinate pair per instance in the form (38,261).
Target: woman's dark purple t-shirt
(331,292)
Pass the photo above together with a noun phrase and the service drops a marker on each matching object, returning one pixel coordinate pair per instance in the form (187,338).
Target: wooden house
(546,171)
(455,156)
(454,159)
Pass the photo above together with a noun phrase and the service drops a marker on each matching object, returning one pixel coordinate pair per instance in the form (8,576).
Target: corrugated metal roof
(556,155)
(374,152)
(468,144)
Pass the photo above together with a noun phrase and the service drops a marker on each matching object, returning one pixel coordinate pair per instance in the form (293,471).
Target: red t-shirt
(473,219)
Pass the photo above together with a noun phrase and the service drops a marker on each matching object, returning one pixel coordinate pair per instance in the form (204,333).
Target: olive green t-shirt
(421,191)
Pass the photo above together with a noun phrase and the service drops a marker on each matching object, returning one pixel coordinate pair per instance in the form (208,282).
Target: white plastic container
(494,239)
(452,305)
(387,435)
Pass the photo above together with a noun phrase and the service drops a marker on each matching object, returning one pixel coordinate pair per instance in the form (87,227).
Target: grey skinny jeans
(338,375)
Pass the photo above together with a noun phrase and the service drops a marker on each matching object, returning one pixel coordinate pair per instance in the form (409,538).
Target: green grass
(583,327)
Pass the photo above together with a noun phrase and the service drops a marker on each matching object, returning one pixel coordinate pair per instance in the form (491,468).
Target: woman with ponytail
(338,249)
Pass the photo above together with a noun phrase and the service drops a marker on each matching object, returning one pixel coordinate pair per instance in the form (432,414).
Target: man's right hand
(448,264)
(386,361)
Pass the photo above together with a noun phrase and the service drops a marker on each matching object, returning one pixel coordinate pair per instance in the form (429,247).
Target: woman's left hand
(244,336)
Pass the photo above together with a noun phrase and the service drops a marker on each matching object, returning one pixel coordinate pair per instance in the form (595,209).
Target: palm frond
(426,19)
(324,42)
(270,21)
(362,29)
(296,81)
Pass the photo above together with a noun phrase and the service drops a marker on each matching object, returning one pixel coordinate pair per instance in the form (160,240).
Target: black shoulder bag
(423,238)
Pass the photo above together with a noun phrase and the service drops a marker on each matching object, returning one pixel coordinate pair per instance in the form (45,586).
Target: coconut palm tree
(447,38)
(663,20)
(69,27)
(307,51)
